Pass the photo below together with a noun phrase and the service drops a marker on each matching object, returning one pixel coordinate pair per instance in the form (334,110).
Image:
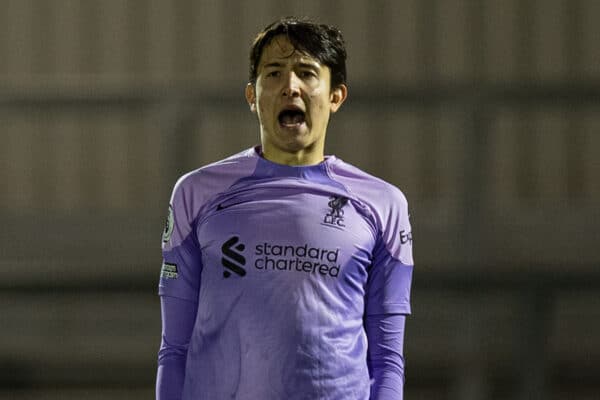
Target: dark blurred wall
(485,113)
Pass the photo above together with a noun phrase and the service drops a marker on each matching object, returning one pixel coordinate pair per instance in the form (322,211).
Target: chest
(251,239)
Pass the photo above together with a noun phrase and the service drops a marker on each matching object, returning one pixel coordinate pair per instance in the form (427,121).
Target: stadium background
(486,113)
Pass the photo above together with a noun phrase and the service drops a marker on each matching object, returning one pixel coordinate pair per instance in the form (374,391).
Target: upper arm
(390,276)
(182,258)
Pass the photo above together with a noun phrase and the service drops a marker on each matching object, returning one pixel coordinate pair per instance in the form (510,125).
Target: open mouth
(291,118)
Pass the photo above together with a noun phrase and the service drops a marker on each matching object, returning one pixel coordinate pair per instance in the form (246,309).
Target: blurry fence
(485,113)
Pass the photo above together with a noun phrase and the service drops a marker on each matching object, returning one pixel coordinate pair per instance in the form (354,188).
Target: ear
(251,96)
(337,97)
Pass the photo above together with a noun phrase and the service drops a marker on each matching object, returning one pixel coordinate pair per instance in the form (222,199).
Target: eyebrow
(308,64)
(273,65)
(303,64)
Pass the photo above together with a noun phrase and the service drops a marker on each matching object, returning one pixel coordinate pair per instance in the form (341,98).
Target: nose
(291,86)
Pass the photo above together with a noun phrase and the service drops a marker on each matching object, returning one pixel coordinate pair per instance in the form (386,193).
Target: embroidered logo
(335,216)
(233,260)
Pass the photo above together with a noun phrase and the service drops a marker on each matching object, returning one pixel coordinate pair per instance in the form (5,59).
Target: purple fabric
(385,358)
(385,333)
(291,260)
(177,325)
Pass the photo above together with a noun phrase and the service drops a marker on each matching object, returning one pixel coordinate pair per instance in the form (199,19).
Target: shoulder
(387,205)
(380,196)
(195,189)
(215,177)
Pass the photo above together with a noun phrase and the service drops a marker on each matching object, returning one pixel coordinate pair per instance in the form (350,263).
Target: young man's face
(293,99)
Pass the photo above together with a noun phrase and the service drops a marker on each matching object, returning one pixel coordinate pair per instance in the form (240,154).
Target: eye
(308,74)
(273,74)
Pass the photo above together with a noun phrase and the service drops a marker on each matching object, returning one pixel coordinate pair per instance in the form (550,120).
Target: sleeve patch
(168,271)
(168,226)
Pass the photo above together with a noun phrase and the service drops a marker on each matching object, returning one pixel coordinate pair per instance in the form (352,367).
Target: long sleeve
(385,334)
(178,289)
(177,325)
(388,303)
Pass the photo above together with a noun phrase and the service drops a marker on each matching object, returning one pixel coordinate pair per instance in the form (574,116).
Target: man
(286,273)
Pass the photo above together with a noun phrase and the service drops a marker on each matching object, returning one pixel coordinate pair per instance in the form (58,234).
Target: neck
(296,158)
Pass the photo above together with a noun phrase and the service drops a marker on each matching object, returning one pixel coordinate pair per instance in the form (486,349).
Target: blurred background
(485,113)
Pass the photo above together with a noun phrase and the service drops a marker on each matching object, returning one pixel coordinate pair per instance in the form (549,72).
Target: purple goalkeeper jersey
(284,263)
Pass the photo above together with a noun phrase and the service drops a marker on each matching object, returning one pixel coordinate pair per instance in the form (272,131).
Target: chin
(296,143)
(288,135)
(295,146)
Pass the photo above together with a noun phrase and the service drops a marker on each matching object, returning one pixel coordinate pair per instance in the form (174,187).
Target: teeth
(291,117)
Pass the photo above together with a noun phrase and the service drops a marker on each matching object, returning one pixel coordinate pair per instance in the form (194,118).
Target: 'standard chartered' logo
(232,258)
(335,216)
(280,257)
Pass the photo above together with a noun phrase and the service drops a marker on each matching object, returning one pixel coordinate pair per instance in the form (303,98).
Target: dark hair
(323,42)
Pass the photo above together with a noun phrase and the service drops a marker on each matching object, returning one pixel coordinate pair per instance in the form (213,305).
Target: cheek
(320,96)
(319,101)
(261,108)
